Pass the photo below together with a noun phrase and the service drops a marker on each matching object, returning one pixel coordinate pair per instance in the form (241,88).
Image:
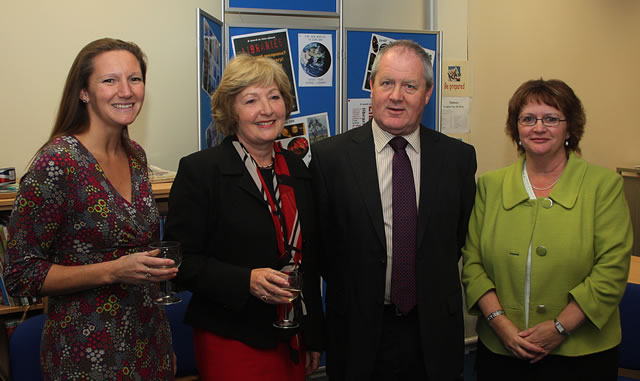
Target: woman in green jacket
(547,254)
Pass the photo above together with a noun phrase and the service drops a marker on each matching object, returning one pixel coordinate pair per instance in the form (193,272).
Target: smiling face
(115,92)
(260,115)
(540,141)
(399,92)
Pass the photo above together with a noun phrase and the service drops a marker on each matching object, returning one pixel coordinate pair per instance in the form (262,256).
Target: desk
(160,192)
(634,271)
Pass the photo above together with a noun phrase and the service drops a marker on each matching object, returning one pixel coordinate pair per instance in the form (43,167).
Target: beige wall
(40,40)
(593,45)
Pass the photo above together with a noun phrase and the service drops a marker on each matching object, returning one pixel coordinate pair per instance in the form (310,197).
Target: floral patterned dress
(68,213)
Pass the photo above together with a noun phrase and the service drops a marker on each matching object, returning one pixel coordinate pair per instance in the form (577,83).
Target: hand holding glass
(169,250)
(287,321)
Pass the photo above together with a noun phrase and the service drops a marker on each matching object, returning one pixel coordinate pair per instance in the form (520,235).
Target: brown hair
(241,72)
(73,117)
(554,93)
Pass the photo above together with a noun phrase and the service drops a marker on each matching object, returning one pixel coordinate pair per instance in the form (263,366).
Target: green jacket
(580,240)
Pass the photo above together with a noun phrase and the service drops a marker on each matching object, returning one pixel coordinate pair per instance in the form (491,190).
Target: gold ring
(148,275)
(264,297)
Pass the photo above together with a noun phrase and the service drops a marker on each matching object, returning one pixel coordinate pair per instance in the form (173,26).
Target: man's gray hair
(412,46)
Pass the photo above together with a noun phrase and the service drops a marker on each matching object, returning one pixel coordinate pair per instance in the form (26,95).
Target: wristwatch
(494,315)
(560,328)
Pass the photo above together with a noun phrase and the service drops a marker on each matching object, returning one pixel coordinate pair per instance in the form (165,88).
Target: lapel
(363,164)
(232,167)
(430,177)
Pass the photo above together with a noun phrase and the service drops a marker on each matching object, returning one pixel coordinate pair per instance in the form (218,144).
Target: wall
(40,43)
(592,45)
(40,40)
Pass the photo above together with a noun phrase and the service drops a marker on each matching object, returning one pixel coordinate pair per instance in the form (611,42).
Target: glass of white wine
(169,250)
(287,320)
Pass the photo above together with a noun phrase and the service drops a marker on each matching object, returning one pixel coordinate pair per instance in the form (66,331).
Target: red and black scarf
(284,213)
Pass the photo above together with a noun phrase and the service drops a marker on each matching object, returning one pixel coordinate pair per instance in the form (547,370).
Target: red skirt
(222,359)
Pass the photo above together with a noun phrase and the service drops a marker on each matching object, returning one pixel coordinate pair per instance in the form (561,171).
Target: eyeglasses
(547,120)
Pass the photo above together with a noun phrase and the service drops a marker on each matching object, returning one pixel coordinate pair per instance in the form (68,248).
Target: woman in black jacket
(242,212)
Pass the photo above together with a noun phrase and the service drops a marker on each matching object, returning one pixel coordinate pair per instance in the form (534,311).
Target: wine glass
(169,250)
(287,320)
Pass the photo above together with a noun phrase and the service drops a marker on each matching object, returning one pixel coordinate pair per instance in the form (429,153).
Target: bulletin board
(288,7)
(361,47)
(312,63)
(210,66)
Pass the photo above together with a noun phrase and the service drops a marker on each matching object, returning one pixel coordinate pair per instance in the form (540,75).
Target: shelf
(626,171)
(6,310)
(160,192)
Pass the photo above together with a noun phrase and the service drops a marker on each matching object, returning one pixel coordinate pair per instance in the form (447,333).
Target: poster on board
(272,44)
(210,63)
(315,61)
(302,131)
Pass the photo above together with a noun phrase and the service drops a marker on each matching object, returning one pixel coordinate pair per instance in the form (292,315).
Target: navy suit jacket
(353,250)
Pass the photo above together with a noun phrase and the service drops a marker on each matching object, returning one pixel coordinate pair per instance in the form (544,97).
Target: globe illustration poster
(315,59)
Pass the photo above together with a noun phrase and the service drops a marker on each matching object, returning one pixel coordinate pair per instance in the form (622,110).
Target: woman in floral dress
(81,223)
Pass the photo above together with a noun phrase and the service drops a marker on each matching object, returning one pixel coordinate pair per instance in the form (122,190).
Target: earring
(566,143)
(519,143)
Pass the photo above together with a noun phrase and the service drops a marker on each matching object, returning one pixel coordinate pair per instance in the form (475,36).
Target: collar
(232,164)
(565,192)
(381,138)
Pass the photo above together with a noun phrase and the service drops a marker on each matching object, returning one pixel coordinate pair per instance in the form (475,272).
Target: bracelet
(494,315)
(561,329)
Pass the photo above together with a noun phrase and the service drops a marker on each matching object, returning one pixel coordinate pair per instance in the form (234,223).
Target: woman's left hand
(544,335)
(312,361)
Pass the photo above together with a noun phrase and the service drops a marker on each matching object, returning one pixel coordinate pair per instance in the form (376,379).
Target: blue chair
(24,350)
(182,336)
(630,322)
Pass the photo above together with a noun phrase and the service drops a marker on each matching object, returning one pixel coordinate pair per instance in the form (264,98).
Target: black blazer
(221,220)
(353,249)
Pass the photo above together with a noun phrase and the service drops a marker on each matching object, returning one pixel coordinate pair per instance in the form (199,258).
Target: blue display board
(361,46)
(284,6)
(210,65)
(311,99)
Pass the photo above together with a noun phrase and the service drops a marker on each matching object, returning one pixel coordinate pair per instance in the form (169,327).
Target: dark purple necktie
(405,219)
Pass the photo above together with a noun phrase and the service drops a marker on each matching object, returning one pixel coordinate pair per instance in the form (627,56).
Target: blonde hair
(241,72)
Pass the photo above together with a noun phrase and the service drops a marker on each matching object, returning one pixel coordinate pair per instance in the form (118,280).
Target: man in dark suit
(386,324)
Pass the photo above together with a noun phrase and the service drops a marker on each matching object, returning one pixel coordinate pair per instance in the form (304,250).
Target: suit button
(541,308)
(547,203)
(541,251)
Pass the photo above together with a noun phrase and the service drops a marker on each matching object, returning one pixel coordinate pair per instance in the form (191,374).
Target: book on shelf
(160,175)
(11,325)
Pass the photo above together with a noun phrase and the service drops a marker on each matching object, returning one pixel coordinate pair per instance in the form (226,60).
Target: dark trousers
(600,366)
(400,356)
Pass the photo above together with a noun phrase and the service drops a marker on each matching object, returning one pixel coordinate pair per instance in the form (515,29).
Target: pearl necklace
(547,187)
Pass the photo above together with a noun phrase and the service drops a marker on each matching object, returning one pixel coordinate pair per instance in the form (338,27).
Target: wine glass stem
(167,288)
